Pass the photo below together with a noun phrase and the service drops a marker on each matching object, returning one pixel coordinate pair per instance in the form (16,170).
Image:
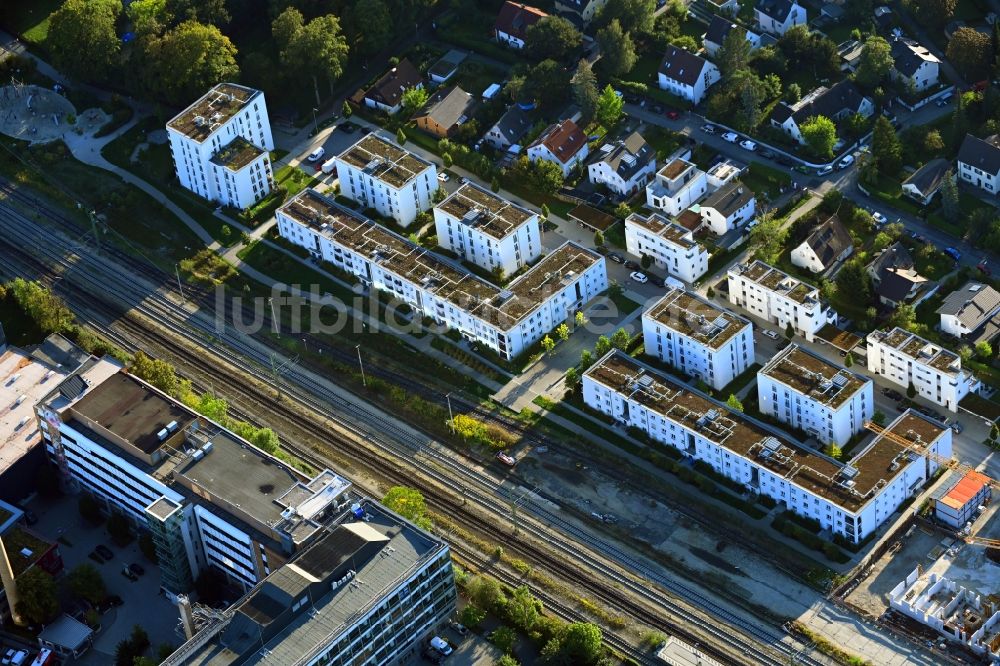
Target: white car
(731,137)
(769,333)
(510,461)
(639,277)
(747,144)
(708,129)
(441,646)
(822,171)
(879,218)
(443,177)
(847,161)
(316,155)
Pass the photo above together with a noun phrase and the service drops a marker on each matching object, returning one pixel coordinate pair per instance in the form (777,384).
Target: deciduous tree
(933,14)
(853,279)
(950,208)
(734,403)
(312,50)
(374,25)
(82,38)
(609,107)
(633,15)
(970,51)
(157,372)
(617,49)
(768,238)
(820,135)
(582,643)
(85,581)
(37,601)
(409,503)
(552,37)
(876,62)
(188,60)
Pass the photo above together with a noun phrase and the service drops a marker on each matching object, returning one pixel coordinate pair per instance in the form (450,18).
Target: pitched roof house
(924,183)
(624,166)
(972,312)
(386,94)
(979,162)
(895,277)
(563,143)
(836,103)
(914,63)
(778,16)
(513,21)
(686,75)
(717,31)
(507,131)
(728,207)
(446,111)
(829,244)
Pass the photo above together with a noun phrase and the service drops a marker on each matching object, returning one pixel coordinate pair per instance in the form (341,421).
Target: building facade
(220,146)
(979,162)
(849,499)
(935,372)
(779,298)
(486,229)
(623,166)
(807,392)
(378,174)
(670,246)
(779,16)
(686,75)
(959,505)
(677,186)
(704,341)
(507,320)
(564,144)
(730,206)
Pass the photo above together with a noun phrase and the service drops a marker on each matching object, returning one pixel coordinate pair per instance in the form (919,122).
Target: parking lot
(143,603)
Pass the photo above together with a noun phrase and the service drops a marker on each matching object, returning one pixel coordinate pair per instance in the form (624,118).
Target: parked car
(617,258)
(784,161)
(944,101)
(136,569)
(30,517)
(315,155)
(983,268)
(443,177)
(656,108)
(673,114)
(769,333)
(768,154)
(639,277)
(347,127)
(708,129)
(441,645)
(433,656)
(459,628)
(953,253)
(879,218)
(847,161)
(956,426)
(105,552)
(747,144)
(631,265)
(822,171)
(94,555)
(892,394)
(129,574)
(506,459)
(731,137)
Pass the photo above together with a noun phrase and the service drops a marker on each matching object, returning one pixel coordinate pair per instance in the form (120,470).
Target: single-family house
(828,244)
(507,131)
(972,313)
(446,111)
(717,31)
(850,54)
(678,185)
(563,143)
(580,12)
(914,65)
(884,18)
(624,166)
(728,207)
(513,21)
(778,16)
(386,94)
(686,75)
(979,162)
(895,277)
(924,183)
(836,103)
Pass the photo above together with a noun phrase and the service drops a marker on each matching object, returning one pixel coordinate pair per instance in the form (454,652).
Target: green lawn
(888,190)
(28,19)
(664,141)
(764,179)
(283,268)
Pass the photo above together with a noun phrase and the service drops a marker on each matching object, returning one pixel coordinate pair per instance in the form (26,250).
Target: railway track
(484,488)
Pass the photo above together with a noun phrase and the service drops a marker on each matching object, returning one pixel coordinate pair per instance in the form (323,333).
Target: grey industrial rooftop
(379,551)
(814,376)
(487,212)
(200,120)
(692,316)
(384,160)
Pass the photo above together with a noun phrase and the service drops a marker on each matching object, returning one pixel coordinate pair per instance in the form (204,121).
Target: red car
(673,114)
(984,269)
(506,459)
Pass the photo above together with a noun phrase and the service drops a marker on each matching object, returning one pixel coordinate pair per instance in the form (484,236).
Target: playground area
(38,115)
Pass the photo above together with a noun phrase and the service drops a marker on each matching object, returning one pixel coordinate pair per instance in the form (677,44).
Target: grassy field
(28,19)
(764,179)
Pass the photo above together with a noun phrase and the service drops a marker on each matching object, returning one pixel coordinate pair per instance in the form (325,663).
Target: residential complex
(961,499)
(669,245)
(704,341)
(220,146)
(779,298)
(487,230)
(507,320)
(379,174)
(208,497)
(850,499)
(905,358)
(370,590)
(807,392)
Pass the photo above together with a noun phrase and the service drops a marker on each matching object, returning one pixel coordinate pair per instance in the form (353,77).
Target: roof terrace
(384,160)
(813,376)
(693,317)
(664,228)
(919,350)
(200,120)
(237,154)
(778,281)
(477,207)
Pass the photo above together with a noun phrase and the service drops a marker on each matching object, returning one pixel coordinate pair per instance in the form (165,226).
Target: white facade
(779,298)
(706,342)
(786,17)
(915,65)
(602,173)
(935,372)
(220,146)
(670,246)
(508,320)
(979,162)
(851,500)
(678,185)
(563,144)
(488,230)
(379,174)
(807,392)
(729,207)
(693,90)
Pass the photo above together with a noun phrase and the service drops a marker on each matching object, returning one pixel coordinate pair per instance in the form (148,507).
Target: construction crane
(982,541)
(949,463)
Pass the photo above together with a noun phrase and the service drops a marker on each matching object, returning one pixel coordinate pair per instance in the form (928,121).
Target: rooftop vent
(199,121)
(645,381)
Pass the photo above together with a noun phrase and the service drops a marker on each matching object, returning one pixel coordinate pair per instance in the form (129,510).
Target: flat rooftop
(813,376)
(485,211)
(919,350)
(777,281)
(24,548)
(24,382)
(669,231)
(384,160)
(672,170)
(695,318)
(237,154)
(502,308)
(771,449)
(214,109)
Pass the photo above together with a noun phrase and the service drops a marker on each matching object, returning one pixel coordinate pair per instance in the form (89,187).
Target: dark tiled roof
(389,89)
(909,56)
(776,9)
(450,106)
(729,198)
(830,240)
(894,256)
(515,19)
(680,65)
(928,178)
(973,304)
(894,286)
(718,29)
(626,156)
(981,153)
(829,102)
(514,123)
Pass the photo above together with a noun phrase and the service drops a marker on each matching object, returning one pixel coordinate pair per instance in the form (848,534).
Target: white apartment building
(670,246)
(678,185)
(849,499)
(779,298)
(807,392)
(698,338)
(507,320)
(372,590)
(979,162)
(935,372)
(379,174)
(487,230)
(220,146)
(208,497)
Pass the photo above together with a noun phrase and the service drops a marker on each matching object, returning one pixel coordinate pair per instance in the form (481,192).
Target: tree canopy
(85,581)
(875,63)
(970,51)
(609,107)
(734,53)
(633,15)
(934,14)
(409,503)
(617,50)
(82,38)
(552,37)
(768,238)
(37,600)
(887,151)
(820,135)
(374,26)
(313,49)
(189,60)
(585,93)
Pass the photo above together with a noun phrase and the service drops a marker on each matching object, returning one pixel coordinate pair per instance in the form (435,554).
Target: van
(329,165)
(441,646)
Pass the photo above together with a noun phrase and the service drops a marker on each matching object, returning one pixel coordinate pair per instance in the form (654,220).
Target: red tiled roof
(564,139)
(515,19)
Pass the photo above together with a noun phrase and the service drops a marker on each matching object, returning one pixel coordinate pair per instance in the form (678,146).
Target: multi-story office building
(698,338)
(849,499)
(807,392)
(779,298)
(379,174)
(670,246)
(507,320)
(371,590)
(935,372)
(487,230)
(220,146)
(208,497)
